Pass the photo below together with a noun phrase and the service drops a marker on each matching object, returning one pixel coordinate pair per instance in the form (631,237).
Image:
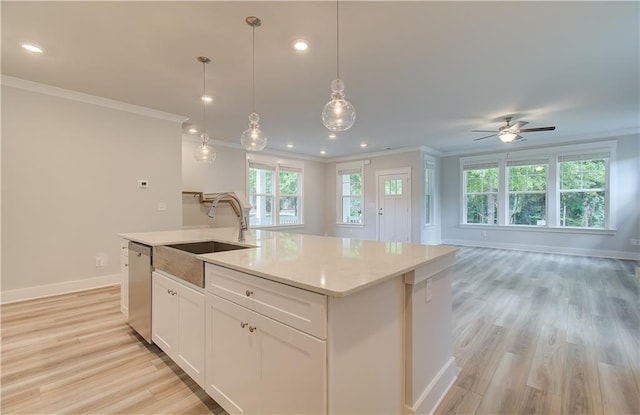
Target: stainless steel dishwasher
(140,289)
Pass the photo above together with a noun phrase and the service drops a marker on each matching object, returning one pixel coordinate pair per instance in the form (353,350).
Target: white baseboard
(30,293)
(436,390)
(634,256)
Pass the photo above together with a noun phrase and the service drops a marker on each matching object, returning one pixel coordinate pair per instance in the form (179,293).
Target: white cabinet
(177,324)
(256,364)
(124,279)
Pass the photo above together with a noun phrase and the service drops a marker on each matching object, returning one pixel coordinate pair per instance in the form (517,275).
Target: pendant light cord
(204,103)
(253,59)
(337,40)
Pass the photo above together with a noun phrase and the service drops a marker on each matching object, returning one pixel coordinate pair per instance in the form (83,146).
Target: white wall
(228,173)
(412,159)
(618,245)
(69,186)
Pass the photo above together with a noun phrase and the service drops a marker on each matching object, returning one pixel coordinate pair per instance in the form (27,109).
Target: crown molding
(88,99)
(373,154)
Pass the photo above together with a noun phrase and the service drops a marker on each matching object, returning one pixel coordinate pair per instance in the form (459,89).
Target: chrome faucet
(244,222)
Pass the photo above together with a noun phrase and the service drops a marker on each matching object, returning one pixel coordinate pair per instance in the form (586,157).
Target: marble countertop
(326,265)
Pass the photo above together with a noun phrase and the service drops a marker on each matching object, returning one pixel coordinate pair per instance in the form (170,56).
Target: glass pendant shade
(507,137)
(253,139)
(204,152)
(338,114)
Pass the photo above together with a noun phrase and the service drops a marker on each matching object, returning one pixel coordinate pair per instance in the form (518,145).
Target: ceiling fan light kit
(509,133)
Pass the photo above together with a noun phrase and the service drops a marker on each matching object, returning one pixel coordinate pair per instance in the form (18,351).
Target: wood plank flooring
(534,333)
(74,354)
(544,334)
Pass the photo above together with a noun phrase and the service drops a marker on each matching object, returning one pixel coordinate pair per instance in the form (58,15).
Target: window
(290,197)
(583,190)
(481,193)
(392,187)
(527,192)
(350,193)
(570,186)
(275,191)
(429,177)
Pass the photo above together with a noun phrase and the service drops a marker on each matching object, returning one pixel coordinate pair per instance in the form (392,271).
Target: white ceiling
(418,73)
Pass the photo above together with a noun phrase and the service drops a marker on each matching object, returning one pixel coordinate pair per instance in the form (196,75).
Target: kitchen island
(311,324)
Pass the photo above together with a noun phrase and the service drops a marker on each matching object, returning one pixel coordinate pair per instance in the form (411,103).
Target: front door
(394,196)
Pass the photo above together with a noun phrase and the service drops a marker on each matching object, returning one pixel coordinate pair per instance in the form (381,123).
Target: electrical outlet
(143,183)
(635,242)
(101,261)
(162,206)
(484,234)
(429,289)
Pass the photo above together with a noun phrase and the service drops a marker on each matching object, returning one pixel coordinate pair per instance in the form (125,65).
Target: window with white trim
(527,192)
(570,186)
(350,186)
(583,185)
(429,177)
(481,192)
(275,189)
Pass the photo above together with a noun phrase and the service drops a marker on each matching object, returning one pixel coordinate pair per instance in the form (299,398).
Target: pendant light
(253,139)
(204,152)
(338,114)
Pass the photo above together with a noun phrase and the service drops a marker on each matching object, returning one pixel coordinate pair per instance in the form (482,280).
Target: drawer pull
(252,329)
(249,293)
(243,325)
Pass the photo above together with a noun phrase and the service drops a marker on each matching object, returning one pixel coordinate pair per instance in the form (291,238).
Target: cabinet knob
(249,293)
(252,329)
(243,325)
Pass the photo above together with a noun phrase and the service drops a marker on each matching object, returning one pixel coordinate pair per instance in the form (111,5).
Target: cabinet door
(292,369)
(124,285)
(191,335)
(164,317)
(232,359)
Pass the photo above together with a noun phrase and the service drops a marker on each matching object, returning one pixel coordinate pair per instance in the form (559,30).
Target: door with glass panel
(394,196)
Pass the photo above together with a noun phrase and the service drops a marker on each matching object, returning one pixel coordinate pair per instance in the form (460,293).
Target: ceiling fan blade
(482,138)
(518,125)
(484,131)
(531,130)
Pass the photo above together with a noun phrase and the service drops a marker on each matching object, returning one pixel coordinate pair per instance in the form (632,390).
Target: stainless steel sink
(180,260)
(208,247)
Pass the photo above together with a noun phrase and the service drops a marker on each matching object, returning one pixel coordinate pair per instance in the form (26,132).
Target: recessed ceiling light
(32,48)
(363,145)
(332,136)
(207,98)
(289,145)
(300,45)
(323,152)
(192,130)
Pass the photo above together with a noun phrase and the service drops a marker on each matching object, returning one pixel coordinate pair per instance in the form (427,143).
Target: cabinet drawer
(304,310)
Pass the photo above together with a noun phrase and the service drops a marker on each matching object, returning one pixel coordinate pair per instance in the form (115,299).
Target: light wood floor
(74,354)
(544,334)
(534,333)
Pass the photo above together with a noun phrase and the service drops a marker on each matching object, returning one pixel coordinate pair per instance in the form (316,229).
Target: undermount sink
(180,260)
(207,247)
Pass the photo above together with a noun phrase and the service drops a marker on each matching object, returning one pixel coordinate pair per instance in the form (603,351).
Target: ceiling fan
(511,132)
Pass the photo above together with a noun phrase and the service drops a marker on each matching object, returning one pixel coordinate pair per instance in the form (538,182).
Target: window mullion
(503,195)
(553,192)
